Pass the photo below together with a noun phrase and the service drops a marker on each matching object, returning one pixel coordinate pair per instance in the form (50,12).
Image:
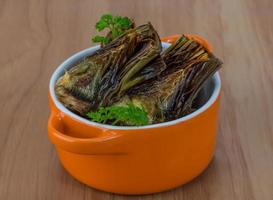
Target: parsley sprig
(116,25)
(120,115)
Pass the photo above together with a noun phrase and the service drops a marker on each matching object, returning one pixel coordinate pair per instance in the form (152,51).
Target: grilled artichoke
(170,95)
(131,71)
(103,78)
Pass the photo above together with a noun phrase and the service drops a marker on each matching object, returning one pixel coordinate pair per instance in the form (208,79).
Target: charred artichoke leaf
(85,77)
(148,48)
(183,50)
(83,80)
(75,104)
(105,74)
(171,94)
(153,69)
(195,75)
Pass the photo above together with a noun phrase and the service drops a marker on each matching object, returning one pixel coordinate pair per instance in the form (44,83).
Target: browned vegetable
(102,78)
(131,71)
(171,94)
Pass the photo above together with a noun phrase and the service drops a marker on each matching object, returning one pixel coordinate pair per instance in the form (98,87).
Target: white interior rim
(76,57)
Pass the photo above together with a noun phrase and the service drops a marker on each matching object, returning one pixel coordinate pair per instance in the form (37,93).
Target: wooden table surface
(36,36)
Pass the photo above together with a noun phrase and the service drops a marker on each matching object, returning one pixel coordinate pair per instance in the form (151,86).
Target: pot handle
(172,39)
(106,143)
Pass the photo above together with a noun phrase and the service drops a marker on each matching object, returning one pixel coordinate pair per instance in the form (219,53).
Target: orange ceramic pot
(135,160)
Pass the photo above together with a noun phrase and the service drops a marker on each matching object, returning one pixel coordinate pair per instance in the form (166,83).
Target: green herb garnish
(120,115)
(116,25)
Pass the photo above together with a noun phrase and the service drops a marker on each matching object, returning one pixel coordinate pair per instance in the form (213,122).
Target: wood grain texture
(36,36)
